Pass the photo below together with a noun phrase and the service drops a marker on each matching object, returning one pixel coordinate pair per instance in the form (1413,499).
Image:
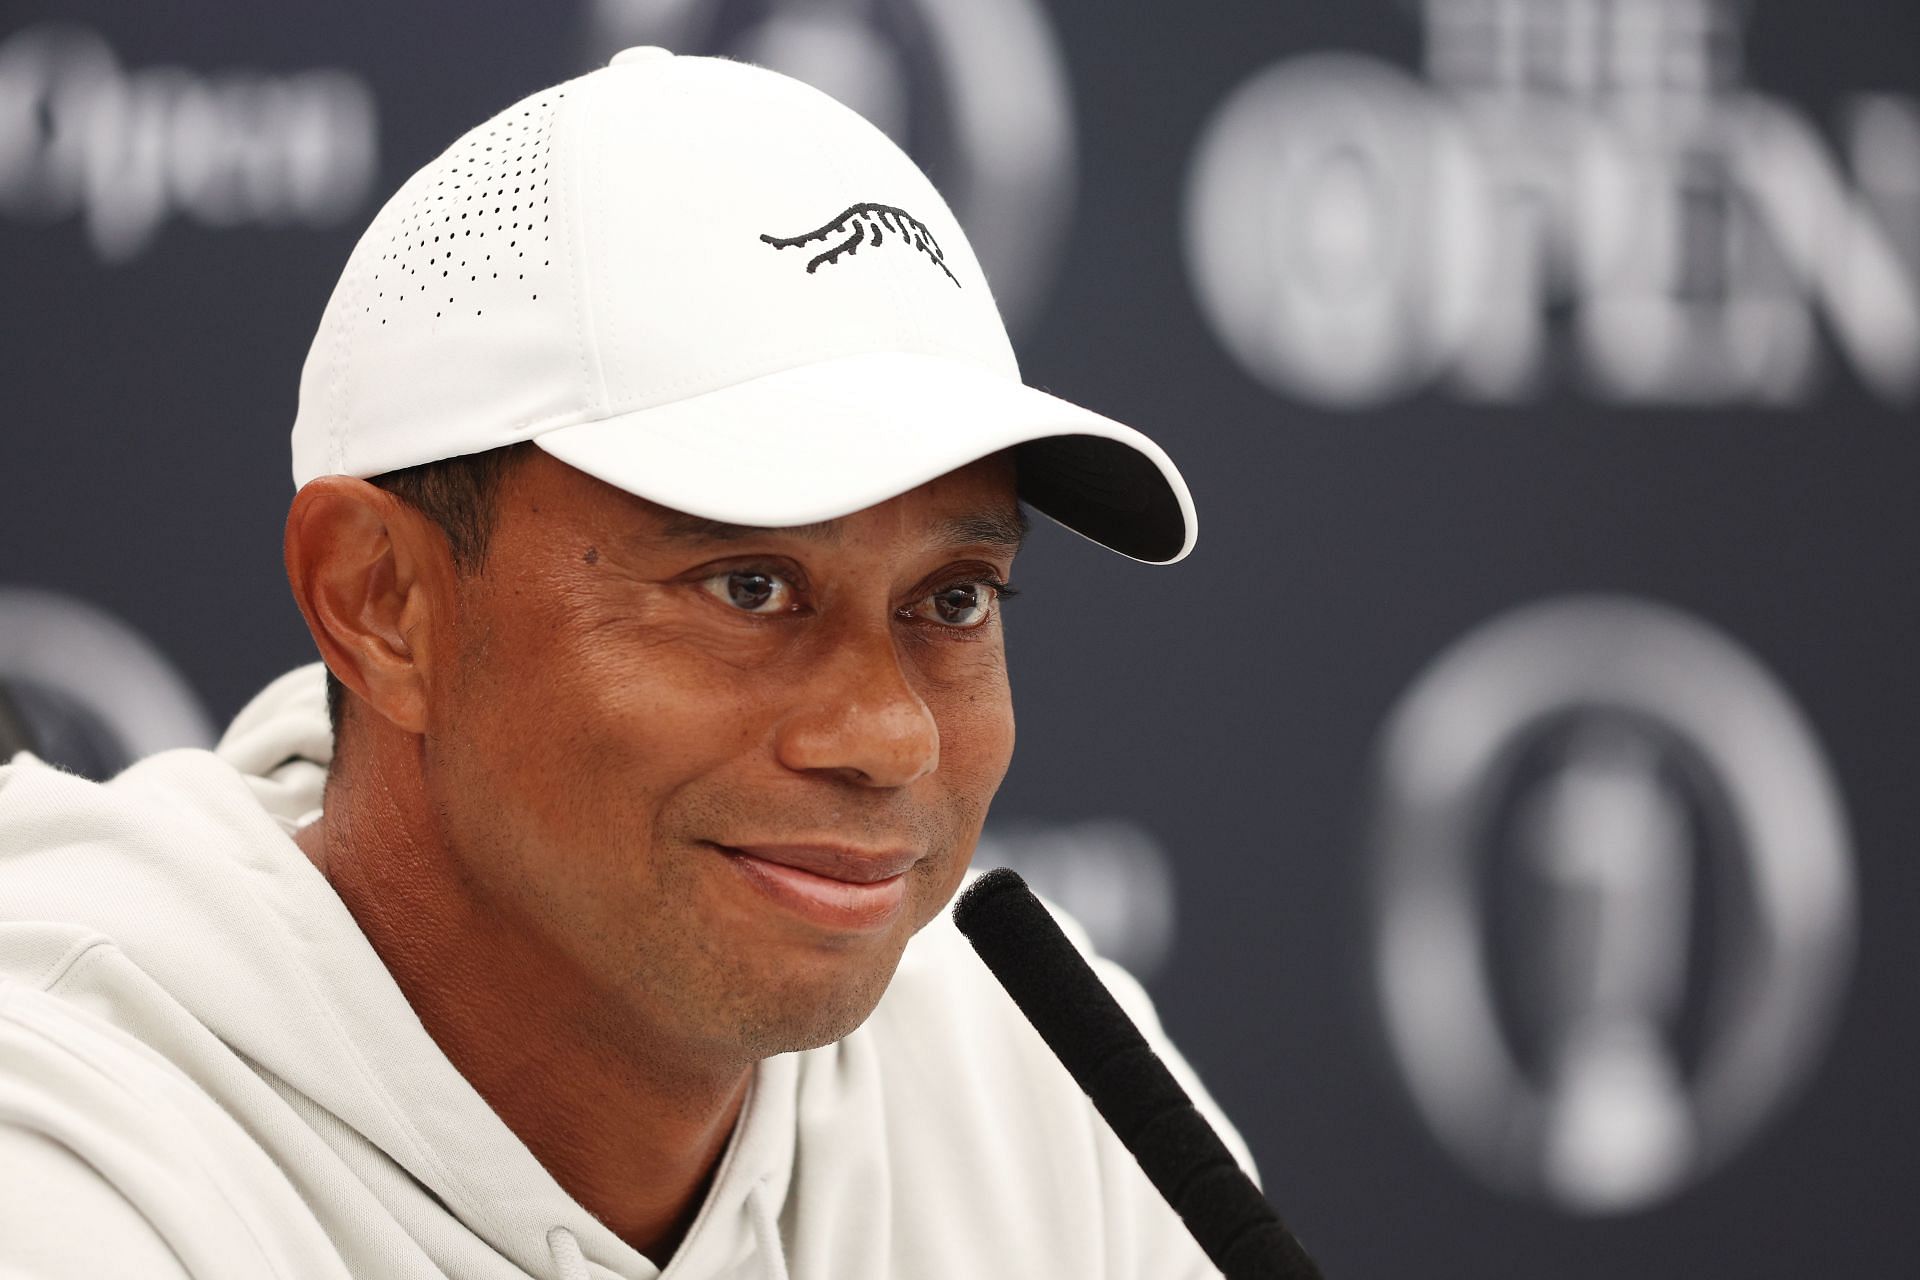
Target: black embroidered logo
(868,224)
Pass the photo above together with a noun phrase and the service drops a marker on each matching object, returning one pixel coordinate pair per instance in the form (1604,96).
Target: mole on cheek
(592,556)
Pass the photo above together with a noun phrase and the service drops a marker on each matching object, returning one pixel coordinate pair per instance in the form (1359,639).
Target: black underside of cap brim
(1104,490)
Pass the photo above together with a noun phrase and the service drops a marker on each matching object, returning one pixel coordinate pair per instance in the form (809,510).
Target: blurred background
(1508,804)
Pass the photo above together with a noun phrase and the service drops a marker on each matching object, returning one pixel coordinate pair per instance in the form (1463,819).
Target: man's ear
(374,580)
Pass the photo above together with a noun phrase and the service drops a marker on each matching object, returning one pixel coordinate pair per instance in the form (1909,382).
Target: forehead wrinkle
(689,528)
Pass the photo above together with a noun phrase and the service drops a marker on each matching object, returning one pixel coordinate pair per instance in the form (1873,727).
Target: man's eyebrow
(1005,528)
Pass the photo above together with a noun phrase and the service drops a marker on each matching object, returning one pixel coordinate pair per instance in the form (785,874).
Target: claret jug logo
(868,224)
(1584,196)
(1615,902)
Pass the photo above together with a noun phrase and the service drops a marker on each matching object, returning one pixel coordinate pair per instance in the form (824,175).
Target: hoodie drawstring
(766,1231)
(570,1264)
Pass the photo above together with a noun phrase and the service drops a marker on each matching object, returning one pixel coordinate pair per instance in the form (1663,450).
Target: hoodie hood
(185,863)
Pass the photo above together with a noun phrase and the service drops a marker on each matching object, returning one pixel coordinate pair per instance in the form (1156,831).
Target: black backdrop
(1213,736)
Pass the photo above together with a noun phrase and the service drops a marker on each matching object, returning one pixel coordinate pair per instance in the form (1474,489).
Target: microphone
(1107,1056)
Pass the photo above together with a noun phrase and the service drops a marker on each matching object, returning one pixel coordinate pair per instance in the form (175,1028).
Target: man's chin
(810,1016)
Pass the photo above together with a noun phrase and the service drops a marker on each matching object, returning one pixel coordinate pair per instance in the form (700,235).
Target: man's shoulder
(62,1218)
(162,797)
(73,1070)
(82,1026)
(118,1155)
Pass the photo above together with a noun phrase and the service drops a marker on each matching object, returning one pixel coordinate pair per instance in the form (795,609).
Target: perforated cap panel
(485,219)
(455,327)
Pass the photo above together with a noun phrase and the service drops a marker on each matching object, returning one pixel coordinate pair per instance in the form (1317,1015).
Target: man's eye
(751,591)
(964,605)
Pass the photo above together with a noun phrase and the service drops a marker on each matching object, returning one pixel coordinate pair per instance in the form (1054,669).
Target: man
(660,459)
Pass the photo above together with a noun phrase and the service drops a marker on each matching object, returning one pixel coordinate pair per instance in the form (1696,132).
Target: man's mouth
(837,887)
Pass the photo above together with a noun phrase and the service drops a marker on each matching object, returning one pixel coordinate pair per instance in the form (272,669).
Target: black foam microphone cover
(1090,1033)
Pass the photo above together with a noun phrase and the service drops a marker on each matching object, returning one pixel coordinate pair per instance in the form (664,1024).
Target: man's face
(718,776)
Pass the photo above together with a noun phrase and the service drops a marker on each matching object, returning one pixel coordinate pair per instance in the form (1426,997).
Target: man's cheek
(976,736)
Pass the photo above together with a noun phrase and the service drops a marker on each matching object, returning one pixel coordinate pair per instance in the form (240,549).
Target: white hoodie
(206,1071)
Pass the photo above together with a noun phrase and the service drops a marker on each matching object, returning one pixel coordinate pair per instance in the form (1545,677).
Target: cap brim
(827,439)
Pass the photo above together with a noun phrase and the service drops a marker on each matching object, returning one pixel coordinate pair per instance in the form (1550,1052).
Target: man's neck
(633,1140)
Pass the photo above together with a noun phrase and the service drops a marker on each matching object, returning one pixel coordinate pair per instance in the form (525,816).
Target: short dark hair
(458,495)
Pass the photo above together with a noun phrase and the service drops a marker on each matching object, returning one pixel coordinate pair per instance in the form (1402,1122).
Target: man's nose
(863,719)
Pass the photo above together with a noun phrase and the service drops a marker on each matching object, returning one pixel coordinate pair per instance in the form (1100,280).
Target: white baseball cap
(712,286)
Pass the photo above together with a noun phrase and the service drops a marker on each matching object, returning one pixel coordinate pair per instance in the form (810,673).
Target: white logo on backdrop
(1110,874)
(974,90)
(93,693)
(1615,897)
(124,150)
(1580,191)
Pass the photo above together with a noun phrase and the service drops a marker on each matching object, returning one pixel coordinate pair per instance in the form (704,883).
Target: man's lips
(835,886)
(833,861)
